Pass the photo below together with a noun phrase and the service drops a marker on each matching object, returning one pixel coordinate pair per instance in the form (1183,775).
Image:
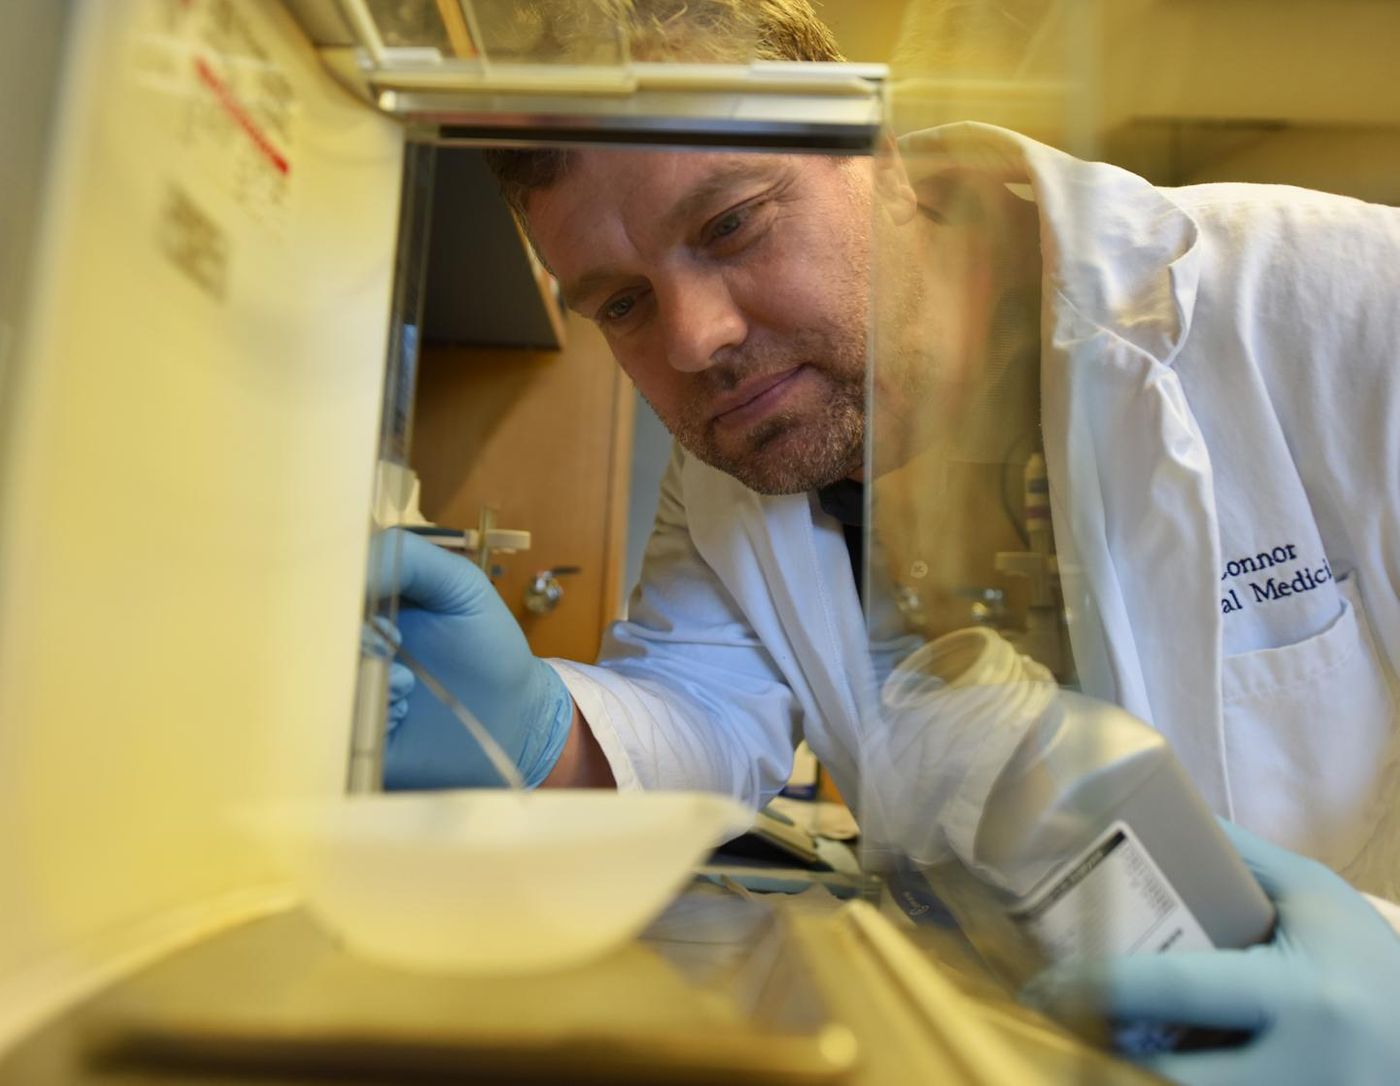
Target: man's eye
(727,224)
(735,223)
(618,308)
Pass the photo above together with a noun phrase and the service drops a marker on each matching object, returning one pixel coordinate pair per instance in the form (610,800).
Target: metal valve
(543,593)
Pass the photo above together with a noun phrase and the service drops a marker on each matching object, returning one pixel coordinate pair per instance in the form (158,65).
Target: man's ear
(892,186)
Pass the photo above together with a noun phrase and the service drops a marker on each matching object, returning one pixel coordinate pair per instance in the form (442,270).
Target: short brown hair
(732,31)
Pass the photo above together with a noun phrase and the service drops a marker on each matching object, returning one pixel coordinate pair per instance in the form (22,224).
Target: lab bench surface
(726,986)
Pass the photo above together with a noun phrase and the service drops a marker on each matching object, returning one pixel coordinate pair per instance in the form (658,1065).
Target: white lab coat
(1219,384)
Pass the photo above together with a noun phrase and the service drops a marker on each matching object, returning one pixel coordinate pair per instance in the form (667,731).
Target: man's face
(733,290)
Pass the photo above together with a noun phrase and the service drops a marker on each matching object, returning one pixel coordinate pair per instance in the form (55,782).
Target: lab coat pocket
(1309,736)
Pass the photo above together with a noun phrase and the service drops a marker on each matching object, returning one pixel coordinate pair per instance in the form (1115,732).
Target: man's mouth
(755,398)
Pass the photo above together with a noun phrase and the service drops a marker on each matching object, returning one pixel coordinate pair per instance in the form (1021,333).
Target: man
(1197,350)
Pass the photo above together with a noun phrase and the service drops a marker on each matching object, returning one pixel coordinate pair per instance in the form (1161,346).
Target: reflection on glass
(1002,777)
(1024,435)
(571,33)
(413,24)
(567,33)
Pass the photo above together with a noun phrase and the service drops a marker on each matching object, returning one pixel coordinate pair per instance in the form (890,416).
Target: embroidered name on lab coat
(1274,574)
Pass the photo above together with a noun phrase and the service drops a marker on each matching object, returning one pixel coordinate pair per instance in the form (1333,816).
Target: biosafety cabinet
(230,236)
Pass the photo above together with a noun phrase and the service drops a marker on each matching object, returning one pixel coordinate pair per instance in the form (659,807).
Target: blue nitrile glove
(453,622)
(401,683)
(1319,1000)
(380,641)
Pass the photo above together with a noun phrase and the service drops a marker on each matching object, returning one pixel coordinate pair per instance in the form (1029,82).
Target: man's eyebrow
(693,202)
(716,185)
(586,284)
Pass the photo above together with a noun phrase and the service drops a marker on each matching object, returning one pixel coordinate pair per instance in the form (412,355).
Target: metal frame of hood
(742,108)
(827,108)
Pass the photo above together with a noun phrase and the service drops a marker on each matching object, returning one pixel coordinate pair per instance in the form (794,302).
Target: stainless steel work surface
(717,991)
(724,987)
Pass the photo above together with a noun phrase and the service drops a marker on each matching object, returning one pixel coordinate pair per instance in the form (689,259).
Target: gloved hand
(381,641)
(452,622)
(1319,999)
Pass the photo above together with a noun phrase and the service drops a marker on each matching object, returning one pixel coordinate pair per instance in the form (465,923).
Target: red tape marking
(235,110)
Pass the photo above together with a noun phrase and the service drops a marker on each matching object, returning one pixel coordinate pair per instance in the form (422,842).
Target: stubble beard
(787,452)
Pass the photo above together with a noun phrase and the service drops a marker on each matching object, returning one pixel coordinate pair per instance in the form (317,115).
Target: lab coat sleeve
(685,695)
(1389,911)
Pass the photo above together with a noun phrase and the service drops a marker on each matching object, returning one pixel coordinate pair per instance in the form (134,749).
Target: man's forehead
(662,177)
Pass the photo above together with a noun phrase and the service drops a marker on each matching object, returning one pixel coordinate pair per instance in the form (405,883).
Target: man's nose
(701,320)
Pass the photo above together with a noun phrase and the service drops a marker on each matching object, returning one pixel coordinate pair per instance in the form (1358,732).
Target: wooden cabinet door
(544,438)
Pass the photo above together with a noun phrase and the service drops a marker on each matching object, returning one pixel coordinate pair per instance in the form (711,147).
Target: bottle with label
(1091,831)
(1141,864)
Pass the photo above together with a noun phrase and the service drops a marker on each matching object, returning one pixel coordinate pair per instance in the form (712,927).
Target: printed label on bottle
(1110,899)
